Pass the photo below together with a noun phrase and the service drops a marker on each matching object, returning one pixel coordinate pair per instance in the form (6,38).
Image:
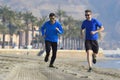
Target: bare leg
(89,58)
(95,54)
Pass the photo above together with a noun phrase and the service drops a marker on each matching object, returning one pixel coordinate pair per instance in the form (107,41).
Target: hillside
(40,8)
(105,10)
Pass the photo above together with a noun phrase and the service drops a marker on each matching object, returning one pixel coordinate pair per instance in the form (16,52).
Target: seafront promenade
(60,53)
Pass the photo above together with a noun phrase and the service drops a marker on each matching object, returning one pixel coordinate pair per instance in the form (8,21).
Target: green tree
(28,16)
(39,24)
(3,30)
(20,25)
(72,30)
(5,14)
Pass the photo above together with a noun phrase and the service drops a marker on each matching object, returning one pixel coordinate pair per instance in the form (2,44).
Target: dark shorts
(92,45)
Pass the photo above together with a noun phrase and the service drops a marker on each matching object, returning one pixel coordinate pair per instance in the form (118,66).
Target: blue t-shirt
(89,26)
(50,32)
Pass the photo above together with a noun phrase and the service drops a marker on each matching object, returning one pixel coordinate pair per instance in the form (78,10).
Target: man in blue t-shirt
(91,27)
(50,30)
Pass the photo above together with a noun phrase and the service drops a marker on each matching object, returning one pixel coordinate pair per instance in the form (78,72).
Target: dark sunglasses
(87,14)
(52,18)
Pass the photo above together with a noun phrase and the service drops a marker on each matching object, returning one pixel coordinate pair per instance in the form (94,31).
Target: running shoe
(94,58)
(90,69)
(46,59)
(52,66)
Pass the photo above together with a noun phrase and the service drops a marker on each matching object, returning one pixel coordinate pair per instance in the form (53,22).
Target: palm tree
(3,30)
(27,18)
(20,27)
(40,23)
(34,21)
(4,14)
(61,16)
(72,30)
(11,25)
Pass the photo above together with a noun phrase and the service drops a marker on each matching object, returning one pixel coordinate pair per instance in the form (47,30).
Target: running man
(50,30)
(91,26)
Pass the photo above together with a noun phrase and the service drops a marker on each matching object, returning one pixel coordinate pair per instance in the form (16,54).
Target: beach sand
(69,67)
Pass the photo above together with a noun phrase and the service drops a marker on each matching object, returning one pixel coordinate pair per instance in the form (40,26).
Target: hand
(82,34)
(93,32)
(57,29)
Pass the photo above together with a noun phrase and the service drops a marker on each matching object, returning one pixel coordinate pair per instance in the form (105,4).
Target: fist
(57,29)
(93,32)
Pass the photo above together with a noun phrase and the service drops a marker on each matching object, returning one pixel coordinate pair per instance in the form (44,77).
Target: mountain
(39,8)
(107,11)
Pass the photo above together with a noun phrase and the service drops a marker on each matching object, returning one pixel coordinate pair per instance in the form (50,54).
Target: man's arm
(98,30)
(82,33)
(59,28)
(42,30)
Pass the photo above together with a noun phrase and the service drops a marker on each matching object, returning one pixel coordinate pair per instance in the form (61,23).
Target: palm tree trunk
(32,34)
(11,42)
(27,36)
(20,39)
(3,43)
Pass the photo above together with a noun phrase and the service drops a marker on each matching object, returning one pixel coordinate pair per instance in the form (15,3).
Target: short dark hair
(52,14)
(88,11)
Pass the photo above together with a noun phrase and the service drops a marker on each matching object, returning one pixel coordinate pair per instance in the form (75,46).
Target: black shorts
(92,45)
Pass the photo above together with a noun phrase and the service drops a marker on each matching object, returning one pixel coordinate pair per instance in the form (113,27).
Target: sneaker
(51,66)
(94,58)
(46,59)
(90,69)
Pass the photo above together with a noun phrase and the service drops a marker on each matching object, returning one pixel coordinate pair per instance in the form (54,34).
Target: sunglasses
(87,14)
(52,18)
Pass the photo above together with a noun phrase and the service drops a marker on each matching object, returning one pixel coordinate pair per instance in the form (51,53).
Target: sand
(32,67)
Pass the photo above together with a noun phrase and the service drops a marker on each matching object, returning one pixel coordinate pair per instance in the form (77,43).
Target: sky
(107,11)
